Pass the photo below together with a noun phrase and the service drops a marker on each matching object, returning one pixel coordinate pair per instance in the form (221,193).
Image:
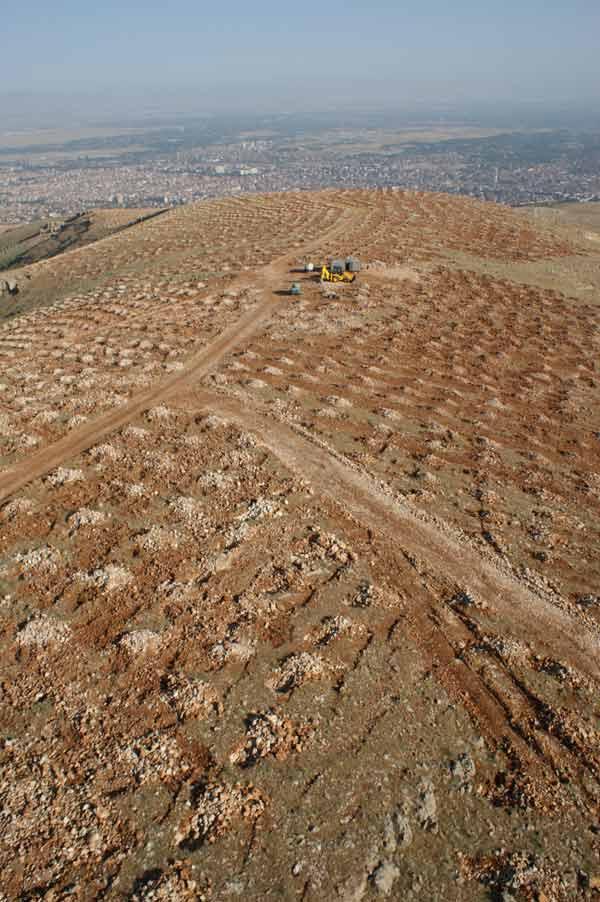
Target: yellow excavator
(340,270)
(327,275)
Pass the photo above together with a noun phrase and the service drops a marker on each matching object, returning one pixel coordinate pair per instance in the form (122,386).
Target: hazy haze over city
(153,105)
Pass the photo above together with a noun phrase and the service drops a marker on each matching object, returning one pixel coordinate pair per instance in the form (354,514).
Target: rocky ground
(301,599)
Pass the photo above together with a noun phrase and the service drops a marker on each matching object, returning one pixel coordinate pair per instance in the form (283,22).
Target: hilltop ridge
(299,597)
(202,238)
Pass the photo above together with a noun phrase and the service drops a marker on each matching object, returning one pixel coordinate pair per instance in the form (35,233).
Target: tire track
(531,616)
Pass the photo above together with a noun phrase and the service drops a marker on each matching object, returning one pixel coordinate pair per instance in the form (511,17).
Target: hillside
(299,598)
(40,240)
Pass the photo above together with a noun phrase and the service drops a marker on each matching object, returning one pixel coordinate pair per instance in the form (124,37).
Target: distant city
(174,165)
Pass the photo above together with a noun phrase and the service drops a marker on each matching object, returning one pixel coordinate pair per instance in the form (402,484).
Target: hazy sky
(543,49)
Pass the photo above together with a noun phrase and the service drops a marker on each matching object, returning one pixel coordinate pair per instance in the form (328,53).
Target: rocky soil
(229,668)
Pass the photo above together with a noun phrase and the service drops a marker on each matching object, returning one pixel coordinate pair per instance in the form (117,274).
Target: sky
(236,53)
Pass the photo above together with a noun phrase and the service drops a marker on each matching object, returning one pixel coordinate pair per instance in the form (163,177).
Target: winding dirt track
(531,616)
(268,279)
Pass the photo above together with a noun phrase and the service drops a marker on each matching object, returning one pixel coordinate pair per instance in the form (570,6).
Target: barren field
(31,137)
(379,140)
(300,598)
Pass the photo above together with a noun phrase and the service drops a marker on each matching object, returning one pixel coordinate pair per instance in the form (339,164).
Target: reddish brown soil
(307,606)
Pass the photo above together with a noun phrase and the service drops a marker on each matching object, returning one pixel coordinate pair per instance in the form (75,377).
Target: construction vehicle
(330,275)
(341,270)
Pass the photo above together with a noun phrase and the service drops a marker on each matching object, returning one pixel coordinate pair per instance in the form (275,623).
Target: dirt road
(251,649)
(267,281)
(359,494)
(86,436)
(494,693)
(532,616)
